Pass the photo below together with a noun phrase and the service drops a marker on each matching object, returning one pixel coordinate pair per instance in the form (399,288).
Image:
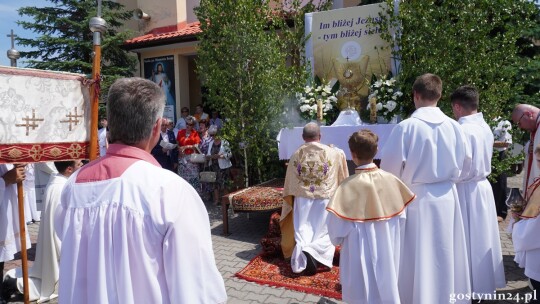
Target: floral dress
(186,169)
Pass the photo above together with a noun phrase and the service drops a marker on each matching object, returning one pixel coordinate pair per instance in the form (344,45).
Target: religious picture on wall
(161,71)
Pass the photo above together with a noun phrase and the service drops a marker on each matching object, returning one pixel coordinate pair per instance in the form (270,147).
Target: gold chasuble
(370,195)
(315,170)
(532,209)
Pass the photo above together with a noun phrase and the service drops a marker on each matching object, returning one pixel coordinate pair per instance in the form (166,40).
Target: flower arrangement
(316,96)
(384,98)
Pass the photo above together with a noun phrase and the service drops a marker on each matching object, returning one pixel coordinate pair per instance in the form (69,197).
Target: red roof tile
(157,37)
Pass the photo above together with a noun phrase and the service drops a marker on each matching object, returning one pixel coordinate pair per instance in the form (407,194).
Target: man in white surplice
(525,234)
(43,275)
(476,196)
(427,152)
(131,231)
(313,175)
(10,242)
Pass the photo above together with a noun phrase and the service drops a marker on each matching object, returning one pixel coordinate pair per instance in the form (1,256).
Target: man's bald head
(311,132)
(524,116)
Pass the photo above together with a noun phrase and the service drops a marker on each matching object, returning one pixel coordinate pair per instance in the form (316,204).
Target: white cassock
(525,234)
(43,275)
(133,232)
(371,252)
(10,242)
(526,239)
(29,188)
(102,139)
(478,209)
(43,172)
(427,152)
(311,233)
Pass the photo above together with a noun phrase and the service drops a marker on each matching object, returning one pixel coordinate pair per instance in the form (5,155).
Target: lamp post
(98,26)
(12,53)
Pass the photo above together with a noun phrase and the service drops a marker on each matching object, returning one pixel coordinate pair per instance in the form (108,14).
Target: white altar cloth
(290,139)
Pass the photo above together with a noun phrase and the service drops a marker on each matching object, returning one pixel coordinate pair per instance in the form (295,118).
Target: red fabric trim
(41,73)
(371,219)
(117,160)
(31,153)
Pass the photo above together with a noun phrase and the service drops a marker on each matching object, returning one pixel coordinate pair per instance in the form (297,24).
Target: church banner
(346,45)
(161,71)
(44,116)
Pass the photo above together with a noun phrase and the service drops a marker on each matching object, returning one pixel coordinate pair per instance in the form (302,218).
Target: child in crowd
(368,222)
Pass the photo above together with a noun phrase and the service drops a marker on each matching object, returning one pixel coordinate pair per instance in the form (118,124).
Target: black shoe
(9,287)
(311,265)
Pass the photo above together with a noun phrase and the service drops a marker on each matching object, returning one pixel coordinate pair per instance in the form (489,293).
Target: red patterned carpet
(275,271)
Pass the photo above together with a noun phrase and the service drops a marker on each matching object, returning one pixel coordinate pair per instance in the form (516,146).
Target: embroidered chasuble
(532,209)
(315,170)
(370,195)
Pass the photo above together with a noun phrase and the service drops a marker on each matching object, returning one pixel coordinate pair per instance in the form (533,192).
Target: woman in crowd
(188,140)
(219,154)
(203,146)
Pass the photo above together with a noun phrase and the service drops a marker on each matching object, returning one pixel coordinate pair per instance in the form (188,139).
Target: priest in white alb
(131,231)
(10,242)
(427,152)
(368,220)
(526,233)
(43,275)
(313,175)
(476,196)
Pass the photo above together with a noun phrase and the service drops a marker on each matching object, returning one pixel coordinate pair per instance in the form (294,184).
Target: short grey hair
(133,107)
(311,131)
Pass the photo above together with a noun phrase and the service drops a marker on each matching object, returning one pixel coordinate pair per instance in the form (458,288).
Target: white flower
(332,98)
(323,94)
(304,108)
(379,106)
(391,105)
(307,89)
(390,90)
(388,83)
(377,84)
(399,93)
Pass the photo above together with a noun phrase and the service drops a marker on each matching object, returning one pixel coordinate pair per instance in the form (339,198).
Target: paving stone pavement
(233,252)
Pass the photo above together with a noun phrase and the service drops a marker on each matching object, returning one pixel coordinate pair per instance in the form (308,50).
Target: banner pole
(98,26)
(22,235)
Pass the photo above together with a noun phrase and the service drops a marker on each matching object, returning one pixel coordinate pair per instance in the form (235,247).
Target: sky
(8,19)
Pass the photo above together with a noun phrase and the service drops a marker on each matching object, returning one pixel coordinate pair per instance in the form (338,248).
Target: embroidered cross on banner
(30,122)
(72,118)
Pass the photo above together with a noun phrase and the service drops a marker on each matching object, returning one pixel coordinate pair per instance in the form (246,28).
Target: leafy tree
(65,40)
(464,42)
(242,61)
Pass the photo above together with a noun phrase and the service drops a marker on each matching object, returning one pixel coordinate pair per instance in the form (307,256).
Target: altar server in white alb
(313,175)
(526,233)
(43,275)
(476,196)
(427,152)
(10,242)
(31,214)
(131,231)
(368,220)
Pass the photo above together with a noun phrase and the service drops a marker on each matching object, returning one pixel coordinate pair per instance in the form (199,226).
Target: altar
(290,139)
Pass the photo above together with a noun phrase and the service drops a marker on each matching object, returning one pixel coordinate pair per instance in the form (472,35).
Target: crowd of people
(422,228)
